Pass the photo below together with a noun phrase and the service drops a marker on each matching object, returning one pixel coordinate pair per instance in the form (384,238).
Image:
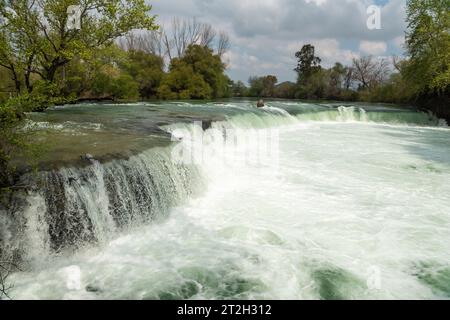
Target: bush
(16,143)
(124,87)
(11,141)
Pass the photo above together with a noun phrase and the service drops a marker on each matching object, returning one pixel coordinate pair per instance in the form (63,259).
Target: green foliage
(315,87)
(147,70)
(428,43)
(6,85)
(183,83)
(10,142)
(285,90)
(209,66)
(336,77)
(238,89)
(16,142)
(104,76)
(310,78)
(256,86)
(198,74)
(43,96)
(124,87)
(35,41)
(308,63)
(263,87)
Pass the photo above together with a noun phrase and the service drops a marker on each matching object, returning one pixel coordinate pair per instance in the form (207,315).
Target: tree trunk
(17,83)
(50,73)
(27,81)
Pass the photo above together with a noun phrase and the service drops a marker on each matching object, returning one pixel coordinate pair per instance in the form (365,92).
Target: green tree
(198,74)
(262,87)
(106,75)
(285,90)
(269,83)
(147,69)
(35,37)
(239,89)
(256,86)
(428,44)
(183,83)
(336,78)
(308,63)
(308,71)
(210,66)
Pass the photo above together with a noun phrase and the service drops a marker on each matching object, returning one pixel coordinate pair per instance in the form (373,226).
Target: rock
(88,157)
(260,103)
(206,125)
(93,289)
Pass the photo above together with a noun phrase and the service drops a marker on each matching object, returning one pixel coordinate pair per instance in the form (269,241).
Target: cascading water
(353,204)
(72,207)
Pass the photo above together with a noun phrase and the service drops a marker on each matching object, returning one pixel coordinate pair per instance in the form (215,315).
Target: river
(292,201)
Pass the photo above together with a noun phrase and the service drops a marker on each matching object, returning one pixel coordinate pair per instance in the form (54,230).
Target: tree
(6,269)
(111,73)
(428,44)
(6,85)
(348,77)
(183,83)
(337,75)
(209,66)
(309,73)
(198,74)
(262,87)
(285,90)
(308,63)
(35,37)
(223,44)
(269,83)
(185,33)
(147,69)
(369,72)
(238,89)
(256,86)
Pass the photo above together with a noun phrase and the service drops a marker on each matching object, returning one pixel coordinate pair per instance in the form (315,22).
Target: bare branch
(224,43)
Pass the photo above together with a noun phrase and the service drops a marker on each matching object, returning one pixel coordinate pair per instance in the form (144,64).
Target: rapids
(292,201)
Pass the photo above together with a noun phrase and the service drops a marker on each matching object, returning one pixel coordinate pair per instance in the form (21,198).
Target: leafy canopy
(198,74)
(428,43)
(35,37)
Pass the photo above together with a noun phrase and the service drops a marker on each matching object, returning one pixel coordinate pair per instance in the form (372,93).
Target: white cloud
(373,47)
(271,31)
(399,42)
(317,2)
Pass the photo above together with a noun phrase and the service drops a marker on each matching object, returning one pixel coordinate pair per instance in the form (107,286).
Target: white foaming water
(353,210)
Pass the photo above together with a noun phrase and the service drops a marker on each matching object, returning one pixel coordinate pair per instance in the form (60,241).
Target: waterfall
(68,208)
(71,207)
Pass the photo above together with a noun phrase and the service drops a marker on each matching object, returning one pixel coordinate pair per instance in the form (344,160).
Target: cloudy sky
(265,34)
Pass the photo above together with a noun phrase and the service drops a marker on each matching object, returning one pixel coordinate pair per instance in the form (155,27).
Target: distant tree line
(339,82)
(43,62)
(421,78)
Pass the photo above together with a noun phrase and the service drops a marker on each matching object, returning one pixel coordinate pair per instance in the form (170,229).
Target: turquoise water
(349,202)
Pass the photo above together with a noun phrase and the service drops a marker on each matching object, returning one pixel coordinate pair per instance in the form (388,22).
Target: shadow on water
(210,284)
(428,143)
(333,283)
(434,276)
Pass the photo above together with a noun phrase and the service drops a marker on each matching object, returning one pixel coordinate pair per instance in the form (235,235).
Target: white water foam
(354,211)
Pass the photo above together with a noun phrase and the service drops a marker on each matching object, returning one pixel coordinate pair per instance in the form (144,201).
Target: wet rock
(206,125)
(260,103)
(88,157)
(93,289)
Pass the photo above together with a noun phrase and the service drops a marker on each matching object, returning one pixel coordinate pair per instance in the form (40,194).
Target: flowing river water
(344,202)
